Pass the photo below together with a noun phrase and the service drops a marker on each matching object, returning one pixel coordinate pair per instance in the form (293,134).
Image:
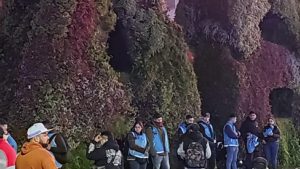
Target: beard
(44,145)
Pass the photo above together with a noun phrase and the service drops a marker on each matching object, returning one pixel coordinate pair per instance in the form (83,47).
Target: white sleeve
(208,151)
(180,150)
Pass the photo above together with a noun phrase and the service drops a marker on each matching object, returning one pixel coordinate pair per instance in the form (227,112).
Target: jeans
(161,161)
(135,165)
(271,153)
(231,160)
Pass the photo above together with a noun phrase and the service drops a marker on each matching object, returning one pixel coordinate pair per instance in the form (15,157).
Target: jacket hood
(195,136)
(29,146)
(111,144)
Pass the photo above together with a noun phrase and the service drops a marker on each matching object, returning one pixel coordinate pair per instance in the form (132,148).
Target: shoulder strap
(52,137)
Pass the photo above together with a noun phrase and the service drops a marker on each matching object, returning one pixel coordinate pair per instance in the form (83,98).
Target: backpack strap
(52,137)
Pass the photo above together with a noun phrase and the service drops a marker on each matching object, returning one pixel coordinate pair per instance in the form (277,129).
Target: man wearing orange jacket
(33,153)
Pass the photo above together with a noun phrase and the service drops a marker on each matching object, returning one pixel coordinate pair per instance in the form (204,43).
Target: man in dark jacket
(159,143)
(105,152)
(58,146)
(208,132)
(193,135)
(250,126)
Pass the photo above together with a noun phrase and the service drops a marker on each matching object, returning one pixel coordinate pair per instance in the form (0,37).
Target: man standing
(33,154)
(10,139)
(231,142)
(159,143)
(250,126)
(208,132)
(182,127)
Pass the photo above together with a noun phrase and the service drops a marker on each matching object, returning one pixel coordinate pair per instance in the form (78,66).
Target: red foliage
(230,86)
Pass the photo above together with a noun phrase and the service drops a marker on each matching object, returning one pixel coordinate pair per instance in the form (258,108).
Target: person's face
(43,139)
(138,128)
(233,119)
(159,120)
(271,122)
(4,127)
(252,116)
(207,118)
(190,121)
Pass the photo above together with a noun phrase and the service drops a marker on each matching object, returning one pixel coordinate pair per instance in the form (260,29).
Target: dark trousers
(251,156)
(212,160)
(271,153)
(135,165)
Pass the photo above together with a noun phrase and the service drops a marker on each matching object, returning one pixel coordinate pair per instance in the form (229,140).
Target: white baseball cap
(37,129)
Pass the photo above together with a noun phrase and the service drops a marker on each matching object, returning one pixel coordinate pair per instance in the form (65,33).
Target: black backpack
(62,158)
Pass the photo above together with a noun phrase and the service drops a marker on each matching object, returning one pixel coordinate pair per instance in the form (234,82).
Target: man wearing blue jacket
(183,126)
(159,143)
(208,132)
(10,139)
(231,135)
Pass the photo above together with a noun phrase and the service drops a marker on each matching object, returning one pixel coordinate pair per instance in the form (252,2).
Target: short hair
(232,116)
(188,117)
(252,112)
(109,135)
(2,122)
(156,116)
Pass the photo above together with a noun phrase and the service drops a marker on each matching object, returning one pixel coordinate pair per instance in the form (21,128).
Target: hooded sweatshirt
(34,156)
(107,155)
(249,126)
(9,152)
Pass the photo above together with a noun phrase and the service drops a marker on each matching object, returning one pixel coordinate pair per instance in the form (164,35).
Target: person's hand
(48,147)
(182,156)
(98,138)
(146,154)
(271,134)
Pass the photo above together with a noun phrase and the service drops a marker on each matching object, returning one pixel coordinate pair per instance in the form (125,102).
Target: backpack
(62,158)
(195,156)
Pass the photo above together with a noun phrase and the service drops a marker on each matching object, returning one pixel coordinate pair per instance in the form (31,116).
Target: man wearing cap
(33,153)
(159,143)
(208,132)
(250,127)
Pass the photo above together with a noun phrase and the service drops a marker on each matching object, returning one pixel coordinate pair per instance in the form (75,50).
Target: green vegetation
(289,154)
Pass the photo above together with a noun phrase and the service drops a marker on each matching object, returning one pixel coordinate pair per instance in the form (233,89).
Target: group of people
(44,149)
(149,144)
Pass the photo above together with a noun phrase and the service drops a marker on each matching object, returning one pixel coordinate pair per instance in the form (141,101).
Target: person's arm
(149,134)
(147,148)
(180,133)
(276,134)
(230,133)
(95,154)
(180,151)
(11,141)
(207,151)
(49,162)
(132,145)
(61,145)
